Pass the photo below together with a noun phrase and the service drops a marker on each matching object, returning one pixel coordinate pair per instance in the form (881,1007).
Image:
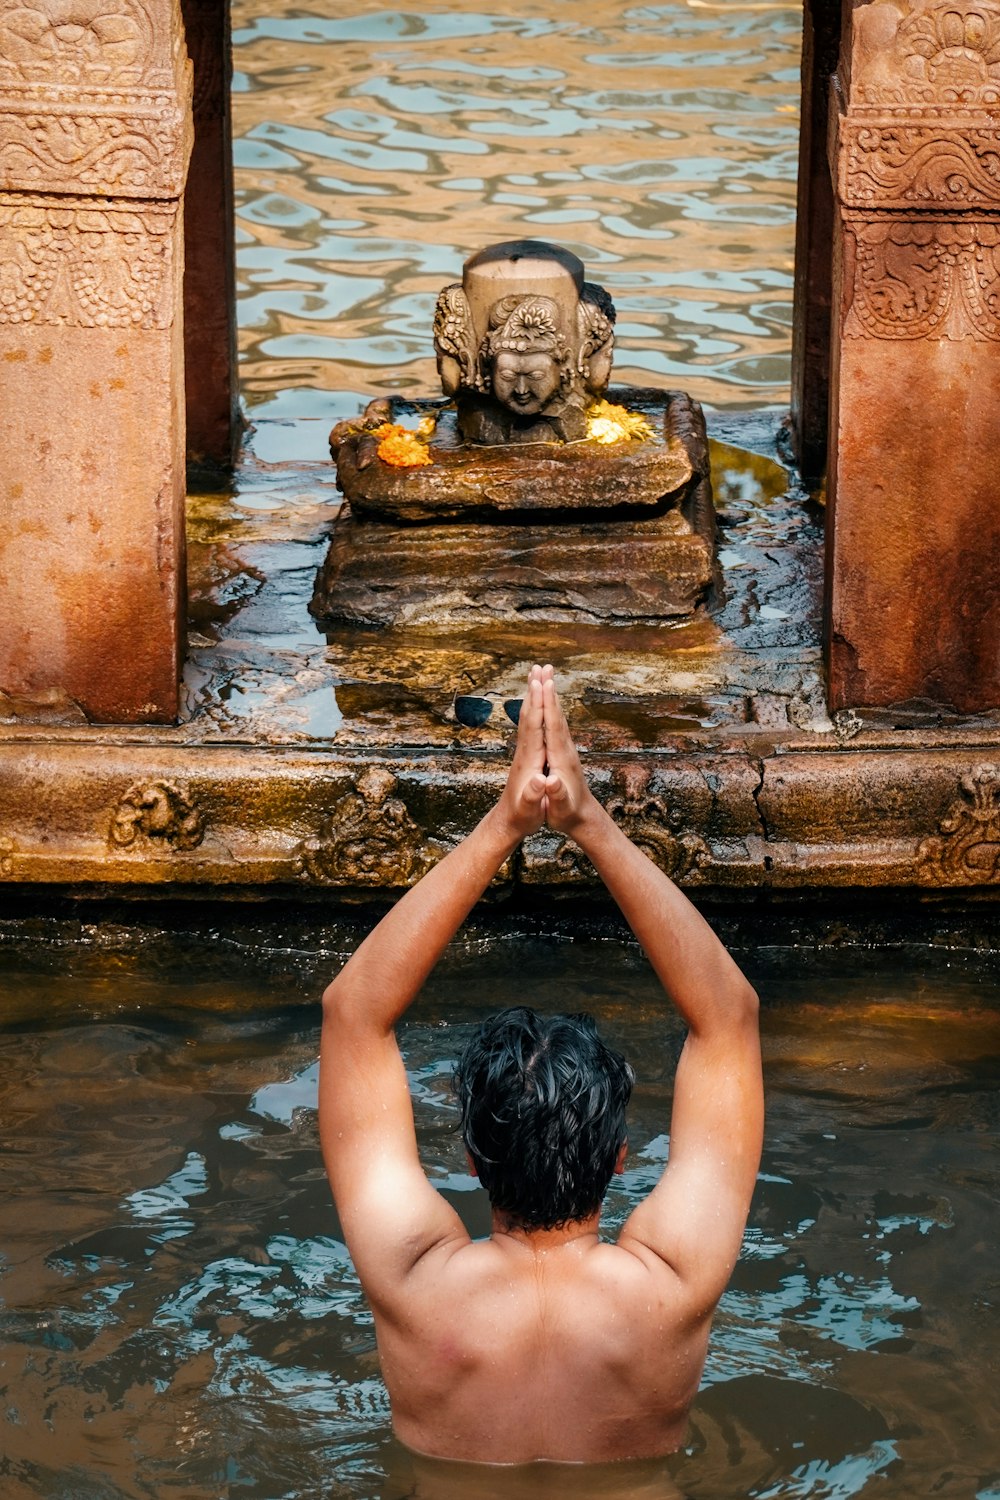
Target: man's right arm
(695,1217)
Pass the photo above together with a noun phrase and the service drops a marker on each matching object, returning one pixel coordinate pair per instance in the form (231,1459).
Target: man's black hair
(542,1100)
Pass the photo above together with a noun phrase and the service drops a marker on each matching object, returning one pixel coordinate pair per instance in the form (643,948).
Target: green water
(179,1315)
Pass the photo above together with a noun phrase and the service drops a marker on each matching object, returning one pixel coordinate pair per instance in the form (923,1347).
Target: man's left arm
(390,1213)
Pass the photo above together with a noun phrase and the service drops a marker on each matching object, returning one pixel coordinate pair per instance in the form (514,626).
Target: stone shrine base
(333,766)
(553,534)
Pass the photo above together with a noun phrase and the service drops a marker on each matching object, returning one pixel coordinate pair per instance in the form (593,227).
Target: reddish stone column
(913,583)
(94,140)
(213,415)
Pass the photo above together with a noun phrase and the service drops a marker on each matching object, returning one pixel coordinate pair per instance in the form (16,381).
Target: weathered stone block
(542,555)
(94,140)
(564,481)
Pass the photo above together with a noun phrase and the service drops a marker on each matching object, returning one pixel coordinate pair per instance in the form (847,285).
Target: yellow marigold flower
(400,447)
(614,424)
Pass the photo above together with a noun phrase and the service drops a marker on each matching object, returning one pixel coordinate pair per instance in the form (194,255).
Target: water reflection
(375,151)
(180,1314)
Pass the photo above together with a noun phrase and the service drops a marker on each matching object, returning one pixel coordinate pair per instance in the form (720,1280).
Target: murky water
(377,148)
(179,1315)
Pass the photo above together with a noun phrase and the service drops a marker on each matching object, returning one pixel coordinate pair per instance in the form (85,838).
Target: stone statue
(532,492)
(524,344)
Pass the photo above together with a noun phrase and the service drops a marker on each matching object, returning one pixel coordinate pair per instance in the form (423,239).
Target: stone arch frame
(98,234)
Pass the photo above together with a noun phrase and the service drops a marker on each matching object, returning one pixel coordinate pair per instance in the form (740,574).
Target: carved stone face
(525,383)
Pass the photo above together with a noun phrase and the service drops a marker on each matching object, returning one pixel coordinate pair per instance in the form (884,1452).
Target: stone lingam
(531,490)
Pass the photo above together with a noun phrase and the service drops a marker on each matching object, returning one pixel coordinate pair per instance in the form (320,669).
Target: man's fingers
(530,734)
(556,729)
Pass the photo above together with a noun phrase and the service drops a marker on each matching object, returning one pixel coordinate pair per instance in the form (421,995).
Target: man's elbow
(749,1006)
(742,1010)
(336,1000)
(345,1006)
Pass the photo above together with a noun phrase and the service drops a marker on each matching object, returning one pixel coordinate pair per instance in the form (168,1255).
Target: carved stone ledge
(368,839)
(651,819)
(156,812)
(657,827)
(966,848)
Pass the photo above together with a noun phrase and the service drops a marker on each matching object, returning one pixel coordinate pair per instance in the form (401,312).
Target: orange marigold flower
(400,447)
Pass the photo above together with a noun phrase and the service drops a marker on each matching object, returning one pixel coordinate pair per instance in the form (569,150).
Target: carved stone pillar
(913,585)
(94,141)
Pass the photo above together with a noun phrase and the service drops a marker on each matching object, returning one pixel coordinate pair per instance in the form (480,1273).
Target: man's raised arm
(390,1213)
(695,1217)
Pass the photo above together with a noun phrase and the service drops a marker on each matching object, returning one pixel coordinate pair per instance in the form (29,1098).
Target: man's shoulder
(453,1269)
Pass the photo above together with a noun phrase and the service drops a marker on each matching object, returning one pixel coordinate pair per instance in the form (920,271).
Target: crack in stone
(761,818)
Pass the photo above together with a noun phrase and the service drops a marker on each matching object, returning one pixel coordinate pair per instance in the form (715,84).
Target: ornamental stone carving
(7,852)
(966,848)
(919,99)
(657,827)
(906,166)
(909,52)
(915,368)
(95,134)
(655,824)
(524,344)
(368,838)
(78,266)
(92,98)
(157,812)
(106,42)
(917,279)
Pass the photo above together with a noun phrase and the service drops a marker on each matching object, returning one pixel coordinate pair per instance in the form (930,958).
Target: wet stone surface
(333,762)
(259,667)
(552,533)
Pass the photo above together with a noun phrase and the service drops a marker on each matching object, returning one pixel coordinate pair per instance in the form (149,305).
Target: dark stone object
(649,558)
(477,482)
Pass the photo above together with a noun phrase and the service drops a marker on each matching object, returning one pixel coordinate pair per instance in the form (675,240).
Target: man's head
(543,1104)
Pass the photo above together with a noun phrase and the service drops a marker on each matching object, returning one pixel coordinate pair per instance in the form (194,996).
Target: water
(179,1315)
(376,149)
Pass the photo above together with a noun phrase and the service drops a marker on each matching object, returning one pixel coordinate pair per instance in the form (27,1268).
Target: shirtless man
(543,1341)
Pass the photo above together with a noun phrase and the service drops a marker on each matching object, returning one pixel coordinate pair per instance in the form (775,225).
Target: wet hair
(542,1102)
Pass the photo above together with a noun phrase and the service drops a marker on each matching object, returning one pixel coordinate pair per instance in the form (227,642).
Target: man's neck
(579,1231)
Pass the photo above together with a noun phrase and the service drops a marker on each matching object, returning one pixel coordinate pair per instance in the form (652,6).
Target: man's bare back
(549,1346)
(541,1342)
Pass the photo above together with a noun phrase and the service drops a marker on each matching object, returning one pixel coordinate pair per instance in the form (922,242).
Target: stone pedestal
(94,141)
(545,532)
(913,587)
